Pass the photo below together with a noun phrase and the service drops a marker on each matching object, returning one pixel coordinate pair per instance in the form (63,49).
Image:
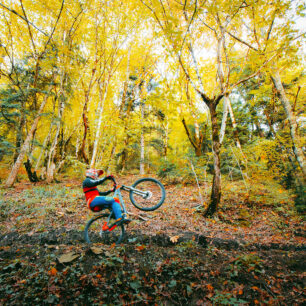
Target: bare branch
(236,12)
(270,30)
(33,25)
(53,30)
(209,27)
(188,134)
(156,17)
(254,27)
(190,22)
(28,24)
(204,97)
(75,20)
(240,40)
(164,11)
(252,75)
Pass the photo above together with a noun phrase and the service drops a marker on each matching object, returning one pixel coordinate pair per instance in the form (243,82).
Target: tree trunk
(291,118)
(270,122)
(258,128)
(113,150)
(227,108)
(50,167)
(100,114)
(125,84)
(52,152)
(31,174)
(13,174)
(216,187)
(234,124)
(142,144)
(166,140)
(19,136)
(82,154)
(142,154)
(46,140)
(224,119)
(196,142)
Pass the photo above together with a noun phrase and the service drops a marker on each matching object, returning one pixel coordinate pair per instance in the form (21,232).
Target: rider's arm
(89,182)
(104,193)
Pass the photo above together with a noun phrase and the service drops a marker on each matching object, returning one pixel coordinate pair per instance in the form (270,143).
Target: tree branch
(188,134)
(240,40)
(209,27)
(53,30)
(270,30)
(28,24)
(296,97)
(252,75)
(190,22)
(33,25)
(156,17)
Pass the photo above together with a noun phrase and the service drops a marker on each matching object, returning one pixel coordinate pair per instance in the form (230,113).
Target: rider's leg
(107,202)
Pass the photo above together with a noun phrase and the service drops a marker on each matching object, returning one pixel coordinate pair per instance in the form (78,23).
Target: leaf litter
(246,254)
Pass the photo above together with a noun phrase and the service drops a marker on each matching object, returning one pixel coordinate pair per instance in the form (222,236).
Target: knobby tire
(93,231)
(157,194)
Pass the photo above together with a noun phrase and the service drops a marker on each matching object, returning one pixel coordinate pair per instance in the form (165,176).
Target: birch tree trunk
(13,174)
(43,148)
(100,114)
(299,155)
(166,139)
(224,119)
(227,107)
(234,124)
(19,135)
(142,144)
(51,166)
(220,73)
(61,106)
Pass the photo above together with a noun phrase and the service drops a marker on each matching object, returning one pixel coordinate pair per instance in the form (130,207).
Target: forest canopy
(186,90)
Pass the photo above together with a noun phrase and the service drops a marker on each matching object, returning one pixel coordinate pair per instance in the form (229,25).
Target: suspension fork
(136,191)
(118,195)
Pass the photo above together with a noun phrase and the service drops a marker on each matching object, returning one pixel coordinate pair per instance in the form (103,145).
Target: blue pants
(100,202)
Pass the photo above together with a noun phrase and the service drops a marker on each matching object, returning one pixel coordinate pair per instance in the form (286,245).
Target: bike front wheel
(96,232)
(147,194)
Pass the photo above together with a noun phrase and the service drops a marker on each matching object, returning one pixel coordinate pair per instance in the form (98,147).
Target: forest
(207,96)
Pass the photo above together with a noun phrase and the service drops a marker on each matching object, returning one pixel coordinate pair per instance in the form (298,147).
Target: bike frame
(118,195)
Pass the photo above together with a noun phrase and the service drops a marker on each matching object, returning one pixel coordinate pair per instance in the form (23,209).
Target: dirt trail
(74,237)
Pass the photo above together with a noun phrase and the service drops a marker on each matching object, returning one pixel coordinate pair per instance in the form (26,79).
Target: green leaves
(135,285)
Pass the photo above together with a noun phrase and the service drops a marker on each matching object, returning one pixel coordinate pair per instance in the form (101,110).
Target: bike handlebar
(114,181)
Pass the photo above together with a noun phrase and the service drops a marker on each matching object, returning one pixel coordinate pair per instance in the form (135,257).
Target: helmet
(93,173)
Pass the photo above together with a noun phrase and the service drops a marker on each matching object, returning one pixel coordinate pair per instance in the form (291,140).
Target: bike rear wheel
(94,232)
(147,194)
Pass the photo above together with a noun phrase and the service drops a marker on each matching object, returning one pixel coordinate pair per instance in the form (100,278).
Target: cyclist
(96,200)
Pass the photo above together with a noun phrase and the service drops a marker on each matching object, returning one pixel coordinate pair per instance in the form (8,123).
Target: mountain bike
(146,194)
